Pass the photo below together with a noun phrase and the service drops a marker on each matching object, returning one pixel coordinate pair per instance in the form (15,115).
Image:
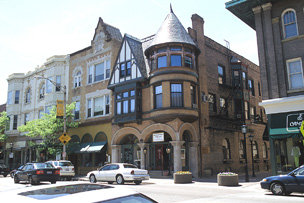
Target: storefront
(286,141)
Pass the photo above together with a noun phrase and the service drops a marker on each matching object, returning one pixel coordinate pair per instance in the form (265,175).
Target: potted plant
(227,179)
(182,177)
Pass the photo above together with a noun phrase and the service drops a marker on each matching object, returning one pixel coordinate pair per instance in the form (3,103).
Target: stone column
(270,52)
(116,154)
(177,154)
(143,155)
(193,158)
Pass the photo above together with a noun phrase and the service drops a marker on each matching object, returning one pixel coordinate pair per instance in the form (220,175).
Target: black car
(12,173)
(36,172)
(4,170)
(285,184)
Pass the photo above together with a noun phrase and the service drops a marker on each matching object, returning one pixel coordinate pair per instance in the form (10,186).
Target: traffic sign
(64,138)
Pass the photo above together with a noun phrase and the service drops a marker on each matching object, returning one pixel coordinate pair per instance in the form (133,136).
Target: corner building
(180,100)
(279,28)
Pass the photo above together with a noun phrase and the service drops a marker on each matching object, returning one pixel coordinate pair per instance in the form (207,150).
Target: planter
(229,180)
(182,178)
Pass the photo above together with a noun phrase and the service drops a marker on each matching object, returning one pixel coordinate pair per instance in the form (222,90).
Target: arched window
(77,79)
(241,149)
(289,21)
(255,150)
(42,91)
(226,149)
(265,153)
(28,96)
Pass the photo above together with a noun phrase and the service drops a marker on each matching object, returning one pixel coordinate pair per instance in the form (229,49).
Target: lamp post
(244,131)
(62,89)
(251,140)
(145,153)
(168,150)
(11,156)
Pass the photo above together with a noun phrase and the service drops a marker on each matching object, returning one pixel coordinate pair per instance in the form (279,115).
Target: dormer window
(125,69)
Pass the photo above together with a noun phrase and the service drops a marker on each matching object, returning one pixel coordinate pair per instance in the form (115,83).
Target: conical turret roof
(171,31)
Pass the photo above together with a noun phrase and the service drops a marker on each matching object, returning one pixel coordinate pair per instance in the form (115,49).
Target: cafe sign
(294,122)
(285,123)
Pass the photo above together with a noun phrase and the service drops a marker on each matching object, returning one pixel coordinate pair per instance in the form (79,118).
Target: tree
(3,123)
(49,128)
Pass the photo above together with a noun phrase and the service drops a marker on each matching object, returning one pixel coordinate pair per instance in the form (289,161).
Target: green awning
(96,147)
(286,136)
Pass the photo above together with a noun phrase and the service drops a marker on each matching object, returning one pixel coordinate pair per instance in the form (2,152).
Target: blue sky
(34,30)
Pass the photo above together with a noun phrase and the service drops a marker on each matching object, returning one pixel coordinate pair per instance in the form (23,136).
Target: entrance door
(159,156)
(127,154)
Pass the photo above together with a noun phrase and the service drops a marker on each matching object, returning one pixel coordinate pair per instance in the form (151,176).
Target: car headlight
(264,180)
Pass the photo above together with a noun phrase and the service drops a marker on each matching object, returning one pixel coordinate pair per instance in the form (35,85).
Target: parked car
(36,172)
(67,170)
(76,192)
(120,173)
(285,184)
(4,170)
(12,173)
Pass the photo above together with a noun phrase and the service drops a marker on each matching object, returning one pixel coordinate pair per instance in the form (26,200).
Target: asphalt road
(164,190)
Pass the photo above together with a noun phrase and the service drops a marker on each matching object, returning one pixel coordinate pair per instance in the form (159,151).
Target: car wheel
(4,175)
(12,175)
(16,179)
(31,181)
(277,189)
(53,182)
(92,179)
(137,182)
(120,180)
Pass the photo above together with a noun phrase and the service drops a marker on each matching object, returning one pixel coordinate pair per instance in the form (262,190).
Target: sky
(33,30)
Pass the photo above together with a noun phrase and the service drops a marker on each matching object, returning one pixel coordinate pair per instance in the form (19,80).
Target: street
(164,190)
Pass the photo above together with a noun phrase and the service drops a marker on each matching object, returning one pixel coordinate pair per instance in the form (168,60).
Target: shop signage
(158,137)
(16,145)
(294,122)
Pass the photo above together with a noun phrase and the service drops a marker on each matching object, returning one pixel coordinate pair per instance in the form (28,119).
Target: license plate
(49,172)
(66,169)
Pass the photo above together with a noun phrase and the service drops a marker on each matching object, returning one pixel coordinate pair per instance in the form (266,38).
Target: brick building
(89,72)
(180,99)
(279,26)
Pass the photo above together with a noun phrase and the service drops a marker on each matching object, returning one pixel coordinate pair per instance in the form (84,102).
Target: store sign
(158,137)
(16,145)
(294,122)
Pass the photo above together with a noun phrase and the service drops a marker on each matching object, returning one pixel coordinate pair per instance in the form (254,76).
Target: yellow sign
(59,113)
(64,138)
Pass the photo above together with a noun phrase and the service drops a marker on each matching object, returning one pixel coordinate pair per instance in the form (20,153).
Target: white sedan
(120,173)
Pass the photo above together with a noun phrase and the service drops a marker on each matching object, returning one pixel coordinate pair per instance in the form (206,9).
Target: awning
(96,147)
(90,147)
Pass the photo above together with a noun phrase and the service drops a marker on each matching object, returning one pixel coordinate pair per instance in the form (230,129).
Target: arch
(100,136)
(189,127)
(158,127)
(289,21)
(74,139)
(87,138)
(125,131)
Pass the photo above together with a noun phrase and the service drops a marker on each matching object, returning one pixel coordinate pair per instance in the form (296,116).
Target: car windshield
(299,171)
(129,166)
(65,163)
(43,165)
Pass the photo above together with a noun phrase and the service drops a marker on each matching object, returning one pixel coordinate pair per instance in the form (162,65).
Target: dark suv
(4,170)
(36,172)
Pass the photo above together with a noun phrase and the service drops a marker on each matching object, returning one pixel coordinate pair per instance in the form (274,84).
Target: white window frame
(283,24)
(91,71)
(10,97)
(288,72)
(77,108)
(77,79)
(91,101)
(48,85)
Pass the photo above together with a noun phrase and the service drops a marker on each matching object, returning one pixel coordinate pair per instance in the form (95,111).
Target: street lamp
(168,150)
(145,153)
(62,89)
(244,131)
(11,156)
(251,140)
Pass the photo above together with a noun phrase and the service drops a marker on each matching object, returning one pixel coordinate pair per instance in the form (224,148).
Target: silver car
(120,173)
(67,170)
